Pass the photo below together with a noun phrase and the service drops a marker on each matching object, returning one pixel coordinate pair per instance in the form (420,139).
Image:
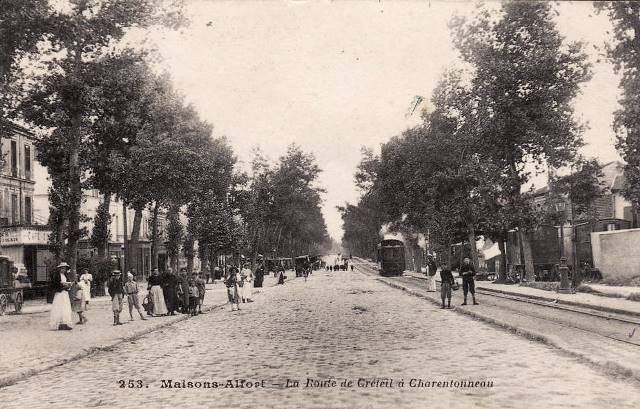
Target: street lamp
(565,286)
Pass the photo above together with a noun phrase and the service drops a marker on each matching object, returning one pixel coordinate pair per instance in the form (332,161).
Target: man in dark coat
(467,271)
(183,281)
(259,275)
(169,284)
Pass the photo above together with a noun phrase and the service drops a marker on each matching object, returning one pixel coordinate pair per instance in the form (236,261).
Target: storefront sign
(23,236)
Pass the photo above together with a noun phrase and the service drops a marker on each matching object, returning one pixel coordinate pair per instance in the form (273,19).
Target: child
(131,288)
(78,301)
(201,290)
(193,297)
(231,281)
(447,282)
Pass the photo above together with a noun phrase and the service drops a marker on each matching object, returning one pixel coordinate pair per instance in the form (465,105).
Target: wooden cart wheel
(3,303)
(19,301)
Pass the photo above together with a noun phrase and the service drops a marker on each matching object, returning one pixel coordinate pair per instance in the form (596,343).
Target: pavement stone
(340,325)
(29,346)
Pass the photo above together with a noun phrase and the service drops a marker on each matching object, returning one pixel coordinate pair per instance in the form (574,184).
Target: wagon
(11,288)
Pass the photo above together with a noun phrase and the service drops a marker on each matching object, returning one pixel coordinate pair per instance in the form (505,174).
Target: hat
(116,272)
(63,264)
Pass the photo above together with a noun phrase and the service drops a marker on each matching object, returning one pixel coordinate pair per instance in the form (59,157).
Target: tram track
(552,304)
(607,340)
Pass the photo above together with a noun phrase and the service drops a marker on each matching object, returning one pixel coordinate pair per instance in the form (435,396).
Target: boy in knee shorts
(446,283)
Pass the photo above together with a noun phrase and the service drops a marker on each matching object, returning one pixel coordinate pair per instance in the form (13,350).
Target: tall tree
(62,102)
(625,55)
(23,23)
(525,78)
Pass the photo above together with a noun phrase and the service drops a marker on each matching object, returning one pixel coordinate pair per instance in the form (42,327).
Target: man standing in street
(116,292)
(467,271)
(431,274)
(259,275)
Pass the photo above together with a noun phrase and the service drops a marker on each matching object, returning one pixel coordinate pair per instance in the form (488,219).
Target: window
(27,162)
(14,159)
(27,210)
(14,209)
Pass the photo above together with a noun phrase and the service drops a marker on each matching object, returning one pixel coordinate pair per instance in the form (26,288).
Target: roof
(541,191)
(14,128)
(618,183)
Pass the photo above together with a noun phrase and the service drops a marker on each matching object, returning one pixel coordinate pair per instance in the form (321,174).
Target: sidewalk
(30,347)
(597,302)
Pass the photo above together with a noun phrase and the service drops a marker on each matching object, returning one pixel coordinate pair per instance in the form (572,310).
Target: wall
(617,253)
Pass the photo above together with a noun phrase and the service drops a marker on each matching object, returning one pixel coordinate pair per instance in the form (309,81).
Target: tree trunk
(527,255)
(174,242)
(154,237)
(134,243)
(103,248)
(473,248)
(125,242)
(189,252)
(75,196)
(502,271)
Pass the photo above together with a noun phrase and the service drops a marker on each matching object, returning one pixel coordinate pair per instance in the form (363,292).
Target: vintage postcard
(319,204)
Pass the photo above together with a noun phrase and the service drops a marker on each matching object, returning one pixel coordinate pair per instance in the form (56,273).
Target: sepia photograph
(319,204)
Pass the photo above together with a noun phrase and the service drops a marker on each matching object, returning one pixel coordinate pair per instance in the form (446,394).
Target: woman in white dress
(85,281)
(155,291)
(60,316)
(247,283)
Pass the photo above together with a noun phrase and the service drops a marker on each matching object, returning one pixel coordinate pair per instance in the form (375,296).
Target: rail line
(565,321)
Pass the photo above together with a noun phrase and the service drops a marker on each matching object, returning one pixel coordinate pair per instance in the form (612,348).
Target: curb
(12,379)
(610,368)
(559,301)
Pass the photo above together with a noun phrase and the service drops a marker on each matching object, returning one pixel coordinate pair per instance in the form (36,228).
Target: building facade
(23,233)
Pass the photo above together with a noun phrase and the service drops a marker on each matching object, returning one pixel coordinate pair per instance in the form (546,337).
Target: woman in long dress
(60,316)
(247,283)
(155,289)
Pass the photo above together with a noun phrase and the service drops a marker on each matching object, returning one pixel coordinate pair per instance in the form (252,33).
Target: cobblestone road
(340,325)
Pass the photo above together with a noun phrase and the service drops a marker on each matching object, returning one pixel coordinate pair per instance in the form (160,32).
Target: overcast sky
(334,76)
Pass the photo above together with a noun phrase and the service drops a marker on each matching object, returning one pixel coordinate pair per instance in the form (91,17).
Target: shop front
(28,248)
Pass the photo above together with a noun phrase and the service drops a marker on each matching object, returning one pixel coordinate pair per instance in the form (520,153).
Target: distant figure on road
(85,281)
(247,283)
(259,275)
(351,266)
(467,271)
(281,277)
(447,282)
(431,274)
(231,279)
(202,288)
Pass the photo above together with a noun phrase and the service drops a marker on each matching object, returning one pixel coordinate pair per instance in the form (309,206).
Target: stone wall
(617,253)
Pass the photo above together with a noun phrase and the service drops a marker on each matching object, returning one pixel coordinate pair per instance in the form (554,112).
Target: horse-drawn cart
(11,288)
